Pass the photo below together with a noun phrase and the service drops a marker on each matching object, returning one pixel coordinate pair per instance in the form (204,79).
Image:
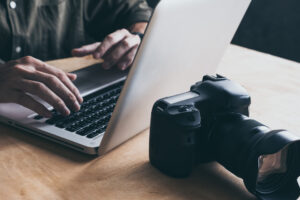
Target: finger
(55,84)
(120,50)
(110,40)
(28,102)
(72,76)
(65,79)
(41,90)
(44,67)
(85,50)
(127,60)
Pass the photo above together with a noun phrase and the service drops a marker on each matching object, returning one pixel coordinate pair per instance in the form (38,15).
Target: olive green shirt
(50,29)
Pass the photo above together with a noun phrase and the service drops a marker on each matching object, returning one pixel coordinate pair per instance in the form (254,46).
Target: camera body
(182,125)
(211,123)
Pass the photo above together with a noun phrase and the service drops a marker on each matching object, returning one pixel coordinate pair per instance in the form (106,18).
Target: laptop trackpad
(94,76)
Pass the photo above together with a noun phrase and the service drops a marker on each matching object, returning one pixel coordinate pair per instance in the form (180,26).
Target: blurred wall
(152,3)
(271,26)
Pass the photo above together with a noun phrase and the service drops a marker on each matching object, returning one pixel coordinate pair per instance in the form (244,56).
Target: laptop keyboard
(93,117)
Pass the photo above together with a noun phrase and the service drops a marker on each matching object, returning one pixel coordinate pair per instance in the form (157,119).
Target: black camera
(211,123)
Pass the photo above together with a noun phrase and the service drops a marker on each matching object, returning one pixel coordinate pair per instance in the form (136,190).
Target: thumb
(71,76)
(85,50)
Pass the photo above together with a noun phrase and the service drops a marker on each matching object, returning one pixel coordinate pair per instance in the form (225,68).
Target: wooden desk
(33,168)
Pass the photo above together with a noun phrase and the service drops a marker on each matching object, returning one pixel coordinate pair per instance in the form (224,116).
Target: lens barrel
(238,142)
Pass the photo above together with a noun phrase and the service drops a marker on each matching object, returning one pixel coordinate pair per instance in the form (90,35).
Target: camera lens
(267,160)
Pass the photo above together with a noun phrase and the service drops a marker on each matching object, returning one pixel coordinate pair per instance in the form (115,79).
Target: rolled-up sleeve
(106,16)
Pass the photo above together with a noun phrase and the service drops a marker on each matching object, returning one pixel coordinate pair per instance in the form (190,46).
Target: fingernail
(80,99)
(123,67)
(66,112)
(77,106)
(73,77)
(120,66)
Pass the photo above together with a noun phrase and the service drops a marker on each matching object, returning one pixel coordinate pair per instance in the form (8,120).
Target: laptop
(183,41)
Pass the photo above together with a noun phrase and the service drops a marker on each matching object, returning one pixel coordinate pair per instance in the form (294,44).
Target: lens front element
(272,164)
(279,170)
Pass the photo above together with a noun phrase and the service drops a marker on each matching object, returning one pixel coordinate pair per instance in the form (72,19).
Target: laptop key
(86,130)
(38,117)
(60,125)
(94,134)
(54,120)
(71,128)
(81,132)
(94,115)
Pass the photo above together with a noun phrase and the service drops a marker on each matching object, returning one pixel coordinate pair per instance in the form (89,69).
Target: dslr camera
(211,123)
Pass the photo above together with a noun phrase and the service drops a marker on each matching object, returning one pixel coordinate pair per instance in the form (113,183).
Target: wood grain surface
(32,168)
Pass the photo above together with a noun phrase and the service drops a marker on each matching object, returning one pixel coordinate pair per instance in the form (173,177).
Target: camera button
(184,108)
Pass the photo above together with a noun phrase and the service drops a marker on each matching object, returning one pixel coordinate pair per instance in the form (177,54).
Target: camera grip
(172,142)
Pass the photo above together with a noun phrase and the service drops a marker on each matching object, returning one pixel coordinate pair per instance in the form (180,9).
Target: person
(36,30)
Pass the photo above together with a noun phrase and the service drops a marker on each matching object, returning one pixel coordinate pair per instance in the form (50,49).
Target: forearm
(138,27)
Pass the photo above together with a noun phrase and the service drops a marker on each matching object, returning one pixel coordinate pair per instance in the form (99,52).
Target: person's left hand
(117,49)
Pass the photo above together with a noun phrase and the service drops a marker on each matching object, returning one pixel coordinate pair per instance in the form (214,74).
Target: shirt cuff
(145,17)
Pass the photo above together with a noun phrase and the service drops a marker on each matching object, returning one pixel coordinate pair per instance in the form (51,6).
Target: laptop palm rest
(94,77)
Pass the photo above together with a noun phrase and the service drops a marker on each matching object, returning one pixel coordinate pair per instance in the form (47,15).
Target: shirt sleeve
(106,16)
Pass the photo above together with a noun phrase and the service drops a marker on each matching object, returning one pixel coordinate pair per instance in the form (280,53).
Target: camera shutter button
(184,108)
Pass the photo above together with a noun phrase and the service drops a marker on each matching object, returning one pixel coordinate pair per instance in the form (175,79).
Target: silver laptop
(184,41)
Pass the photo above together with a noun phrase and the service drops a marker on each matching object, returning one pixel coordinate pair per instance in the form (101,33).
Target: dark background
(271,26)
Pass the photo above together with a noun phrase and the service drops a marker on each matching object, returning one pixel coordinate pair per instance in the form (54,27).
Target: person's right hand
(28,75)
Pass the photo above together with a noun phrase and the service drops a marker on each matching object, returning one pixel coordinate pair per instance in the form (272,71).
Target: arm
(138,27)
(28,75)
(119,48)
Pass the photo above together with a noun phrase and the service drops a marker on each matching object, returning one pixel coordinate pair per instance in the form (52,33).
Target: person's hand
(117,49)
(25,76)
